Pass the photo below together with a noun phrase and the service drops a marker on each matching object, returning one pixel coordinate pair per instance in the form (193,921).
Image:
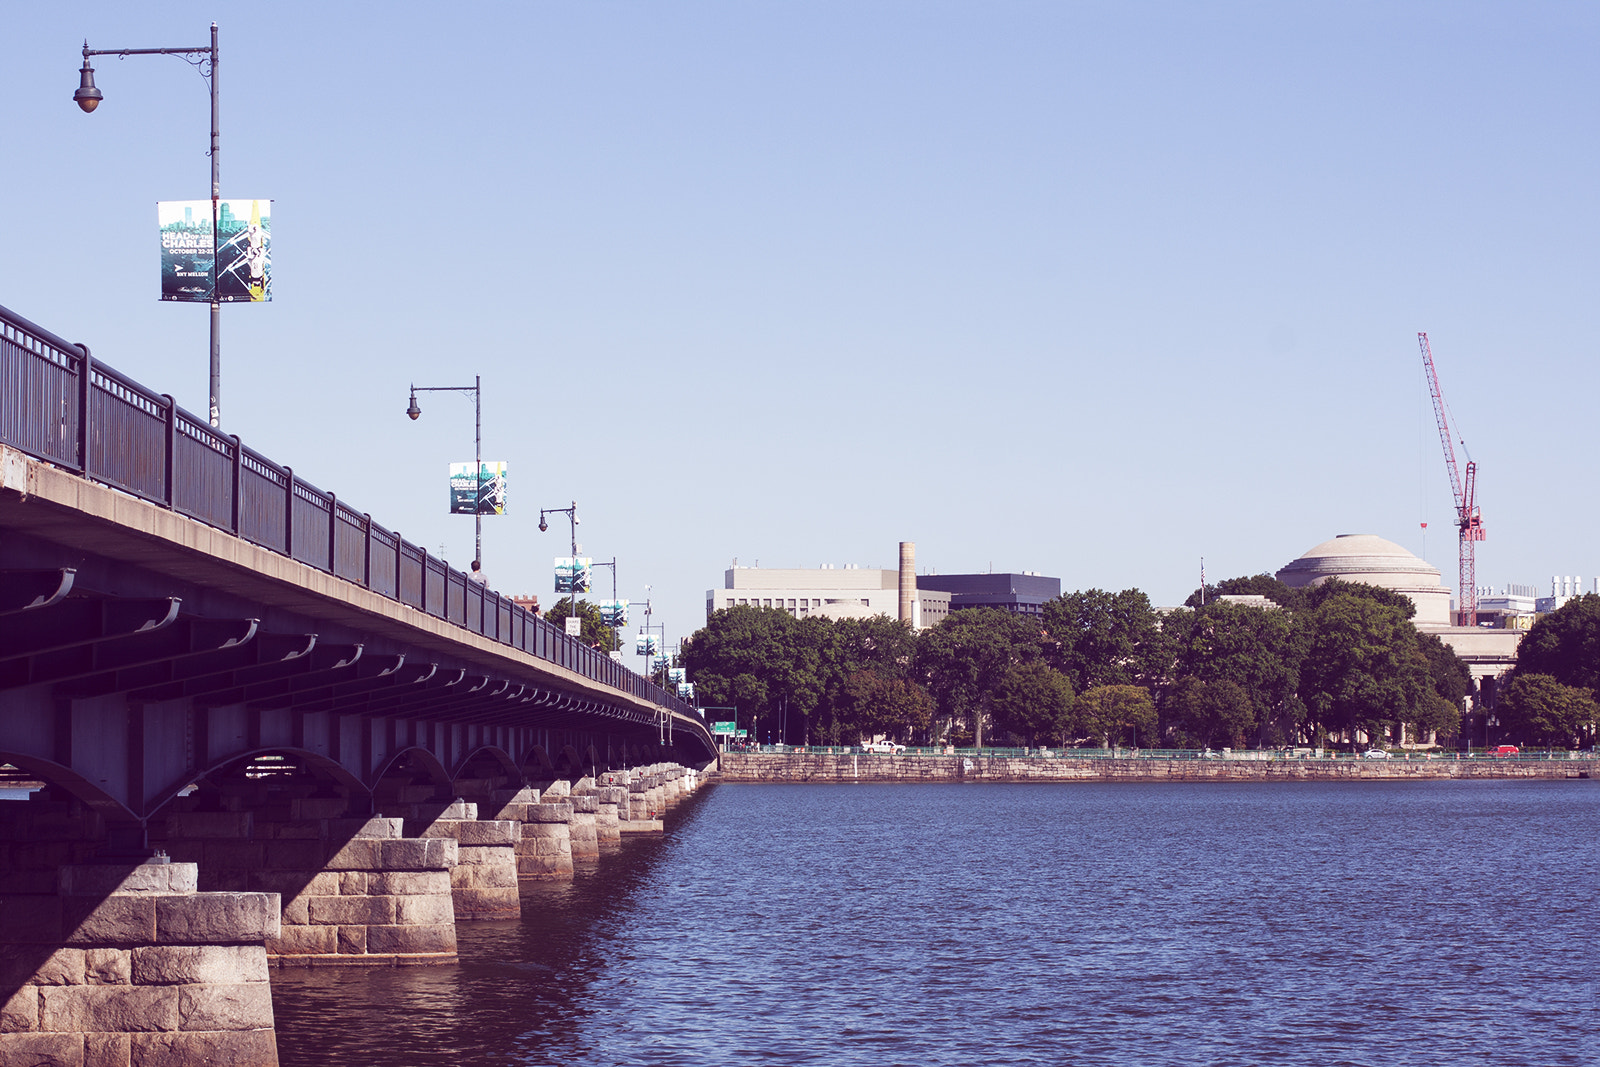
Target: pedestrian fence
(60,405)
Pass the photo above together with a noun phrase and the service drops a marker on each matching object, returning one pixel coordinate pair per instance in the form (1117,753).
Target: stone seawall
(874,767)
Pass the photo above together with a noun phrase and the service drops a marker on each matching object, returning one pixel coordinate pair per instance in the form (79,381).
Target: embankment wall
(875,767)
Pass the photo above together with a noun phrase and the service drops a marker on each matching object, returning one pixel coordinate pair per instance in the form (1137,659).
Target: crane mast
(1469,523)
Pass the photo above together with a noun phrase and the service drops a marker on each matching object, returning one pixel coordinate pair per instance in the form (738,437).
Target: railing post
(399,558)
(422,594)
(238,483)
(333,531)
(168,473)
(366,550)
(288,512)
(85,372)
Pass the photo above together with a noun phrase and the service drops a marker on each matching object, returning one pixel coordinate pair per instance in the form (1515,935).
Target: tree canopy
(1103,668)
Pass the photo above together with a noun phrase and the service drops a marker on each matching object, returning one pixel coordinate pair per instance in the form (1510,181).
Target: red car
(1506,750)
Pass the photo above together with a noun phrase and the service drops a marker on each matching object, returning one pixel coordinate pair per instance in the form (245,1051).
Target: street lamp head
(412,411)
(543,526)
(87,97)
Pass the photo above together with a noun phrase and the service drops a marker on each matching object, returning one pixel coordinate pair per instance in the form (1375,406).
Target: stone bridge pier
(116,962)
(122,949)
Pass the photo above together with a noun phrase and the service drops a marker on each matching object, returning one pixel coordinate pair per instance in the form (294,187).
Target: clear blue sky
(1093,289)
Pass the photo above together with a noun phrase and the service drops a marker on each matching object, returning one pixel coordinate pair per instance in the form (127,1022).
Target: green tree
(1107,638)
(761,660)
(1363,669)
(1536,709)
(1252,585)
(1452,684)
(879,646)
(1033,702)
(1107,713)
(593,629)
(1565,644)
(1214,714)
(874,703)
(1259,651)
(963,660)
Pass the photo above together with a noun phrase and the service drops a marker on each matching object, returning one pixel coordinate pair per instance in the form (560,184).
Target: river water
(1295,923)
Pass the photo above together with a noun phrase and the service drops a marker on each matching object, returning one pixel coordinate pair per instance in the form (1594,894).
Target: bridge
(270,730)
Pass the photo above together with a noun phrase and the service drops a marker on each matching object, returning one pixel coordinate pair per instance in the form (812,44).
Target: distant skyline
(1093,289)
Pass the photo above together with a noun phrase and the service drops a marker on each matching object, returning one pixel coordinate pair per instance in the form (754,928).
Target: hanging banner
(686,690)
(677,675)
(241,269)
(646,645)
(614,612)
(572,574)
(483,495)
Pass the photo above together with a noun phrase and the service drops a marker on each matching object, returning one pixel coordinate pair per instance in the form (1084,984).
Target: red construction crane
(1469,524)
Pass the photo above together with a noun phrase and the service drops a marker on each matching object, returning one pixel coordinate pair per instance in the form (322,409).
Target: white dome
(1375,561)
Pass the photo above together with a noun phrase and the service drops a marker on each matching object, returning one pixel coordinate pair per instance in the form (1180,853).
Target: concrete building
(1019,593)
(832,592)
(861,592)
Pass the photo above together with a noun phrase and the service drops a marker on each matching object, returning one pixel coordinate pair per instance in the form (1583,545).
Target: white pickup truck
(883,746)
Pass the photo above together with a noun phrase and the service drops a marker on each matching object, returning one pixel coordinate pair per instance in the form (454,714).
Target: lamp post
(204,60)
(571,513)
(616,637)
(476,389)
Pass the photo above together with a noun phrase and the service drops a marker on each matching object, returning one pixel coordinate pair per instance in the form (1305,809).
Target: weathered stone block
(119,920)
(559,812)
(403,883)
(415,854)
(318,807)
(303,941)
(108,966)
(185,964)
(241,1006)
(435,910)
(20,1013)
(374,828)
(113,1008)
(501,832)
(224,824)
(354,883)
(362,854)
(31,919)
(410,939)
(107,1050)
(234,1048)
(485,876)
(353,911)
(42,1050)
(295,855)
(208,918)
(99,880)
(487,903)
(352,940)
(297,911)
(233,855)
(64,966)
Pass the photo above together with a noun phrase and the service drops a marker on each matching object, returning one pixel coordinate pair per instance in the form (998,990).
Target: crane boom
(1469,523)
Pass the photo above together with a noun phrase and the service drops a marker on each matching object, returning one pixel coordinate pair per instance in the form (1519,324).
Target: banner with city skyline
(483,495)
(241,270)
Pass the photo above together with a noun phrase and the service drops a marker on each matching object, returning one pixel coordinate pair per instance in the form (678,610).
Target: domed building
(1488,653)
(1375,561)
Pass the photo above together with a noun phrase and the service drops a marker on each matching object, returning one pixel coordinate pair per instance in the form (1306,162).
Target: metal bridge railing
(60,405)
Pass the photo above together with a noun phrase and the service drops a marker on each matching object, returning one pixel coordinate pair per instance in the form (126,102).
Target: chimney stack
(908,582)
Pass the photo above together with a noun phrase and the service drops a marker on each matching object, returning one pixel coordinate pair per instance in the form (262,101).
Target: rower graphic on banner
(241,269)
